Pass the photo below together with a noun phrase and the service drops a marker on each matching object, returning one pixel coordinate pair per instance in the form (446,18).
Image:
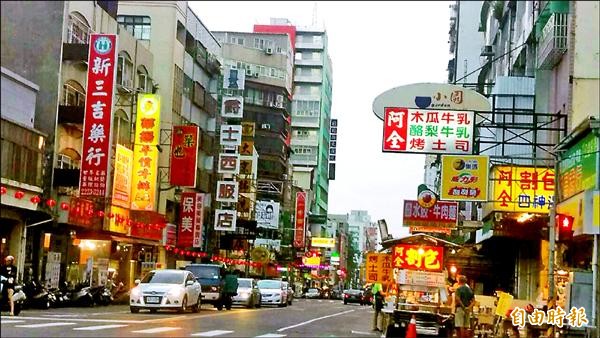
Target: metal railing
(553,41)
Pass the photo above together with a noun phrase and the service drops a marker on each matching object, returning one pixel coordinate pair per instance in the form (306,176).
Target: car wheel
(259,303)
(345,302)
(251,303)
(134,309)
(183,307)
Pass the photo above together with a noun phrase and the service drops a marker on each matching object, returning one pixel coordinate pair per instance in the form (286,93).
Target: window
(317,39)
(125,70)
(79,30)
(144,82)
(121,128)
(138,26)
(180,32)
(177,90)
(263,44)
(236,40)
(73,94)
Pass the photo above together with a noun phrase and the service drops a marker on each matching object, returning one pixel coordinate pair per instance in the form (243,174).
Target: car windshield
(269,284)
(166,277)
(353,292)
(205,272)
(244,283)
(313,290)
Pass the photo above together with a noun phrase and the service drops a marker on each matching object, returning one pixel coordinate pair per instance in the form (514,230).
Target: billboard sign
(418,257)
(379,268)
(300,224)
(464,178)
(234,78)
(577,167)
(232,107)
(408,130)
(267,214)
(229,164)
(145,152)
(225,220)
(97,119)
(441,214)
(192,212)
(227,191)
(184,155)
(322,242)
(121,195)
(231,135)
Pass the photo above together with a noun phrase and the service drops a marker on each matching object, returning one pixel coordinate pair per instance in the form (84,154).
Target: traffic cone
(411,330)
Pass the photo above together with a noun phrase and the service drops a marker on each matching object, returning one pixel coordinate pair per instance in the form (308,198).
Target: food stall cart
(420,289)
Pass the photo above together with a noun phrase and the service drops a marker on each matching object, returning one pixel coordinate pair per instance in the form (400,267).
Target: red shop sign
(418,257)
(98,115)
(299,236)
(190,228)
(441,214)
(184,156)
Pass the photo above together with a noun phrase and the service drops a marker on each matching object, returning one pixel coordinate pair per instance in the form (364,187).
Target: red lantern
(64,206)
(51,203)
(100,213)
(19,194)
(35,199)
(175,251)
(2,190)
(111,215)
(91,212)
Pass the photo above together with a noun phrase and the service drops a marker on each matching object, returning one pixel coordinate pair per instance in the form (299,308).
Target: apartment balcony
(75,52)
(210,105)
(212,65)
(311,141)
(66,177)
(304,159)
(310,45)
(207,142)
(308,78)
(76,46)
(70,114)
(312,62)
(22,153)
(553,41)
(306,121)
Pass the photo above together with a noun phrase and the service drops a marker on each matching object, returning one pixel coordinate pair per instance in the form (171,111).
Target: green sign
(577,167)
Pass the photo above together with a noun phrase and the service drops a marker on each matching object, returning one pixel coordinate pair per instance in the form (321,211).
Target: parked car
(272,292)
(166,289)
(312,293)
(367,296)
(248,293)
(353,296)
(211,279)
(290,293)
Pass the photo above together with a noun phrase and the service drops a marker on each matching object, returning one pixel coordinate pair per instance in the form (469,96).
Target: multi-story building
(466,42)
(311,109)
(187,72)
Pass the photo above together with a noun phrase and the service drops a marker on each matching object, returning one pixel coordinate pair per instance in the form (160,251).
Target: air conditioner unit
(265,126)
(269,51)
(248,72)
(256,74)
(279,105)
(271,104)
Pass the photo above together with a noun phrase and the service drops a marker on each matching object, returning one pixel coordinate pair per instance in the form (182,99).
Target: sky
(374,46)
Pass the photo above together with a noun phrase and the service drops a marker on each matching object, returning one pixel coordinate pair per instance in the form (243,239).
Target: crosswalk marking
(271,335)
(44,325)
(157,330)
(98,327)
(212,333)
(10,321)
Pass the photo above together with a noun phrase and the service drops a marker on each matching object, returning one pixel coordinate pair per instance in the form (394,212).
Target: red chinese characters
(416,257)
(98,115)
(442,214)
(427,131)
(184,156)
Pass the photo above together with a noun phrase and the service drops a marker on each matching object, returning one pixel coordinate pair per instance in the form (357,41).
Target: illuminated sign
(441,214)
(417,257)
(121,195)
(321,242)
(428,131)
(145,152)
(225,220)
(379,268)
(464,178)
(299,233)
(184,156)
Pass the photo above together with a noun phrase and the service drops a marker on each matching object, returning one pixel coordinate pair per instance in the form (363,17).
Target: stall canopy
(418,239)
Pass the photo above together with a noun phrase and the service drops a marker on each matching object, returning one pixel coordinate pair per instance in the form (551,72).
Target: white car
(247,293)
(272,292)
(166,289)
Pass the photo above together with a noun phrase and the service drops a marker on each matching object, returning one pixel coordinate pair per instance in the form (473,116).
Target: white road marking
(10,321)
(157,330)
(91,320)
(313,320)
(98,327)
(212,333)
(271,335)
(362,333)
(31,326)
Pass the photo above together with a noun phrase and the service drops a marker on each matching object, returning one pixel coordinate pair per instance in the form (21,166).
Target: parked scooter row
(80,295)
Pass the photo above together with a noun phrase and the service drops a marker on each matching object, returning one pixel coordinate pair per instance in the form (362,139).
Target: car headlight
(244,295)
(214,288)
(135,292)
(175,292)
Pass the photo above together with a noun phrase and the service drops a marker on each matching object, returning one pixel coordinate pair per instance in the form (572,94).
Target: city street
(305,318)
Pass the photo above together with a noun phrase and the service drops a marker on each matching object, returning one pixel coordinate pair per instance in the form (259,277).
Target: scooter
(37,295)
(80,295)
(101,295)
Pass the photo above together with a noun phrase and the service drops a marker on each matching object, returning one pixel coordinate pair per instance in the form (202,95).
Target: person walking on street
(230,288)
(377,291)
(9,272)
(464,298)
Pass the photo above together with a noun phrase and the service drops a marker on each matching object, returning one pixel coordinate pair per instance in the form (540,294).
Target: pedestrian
(9,272)
(464,300)
(377,291)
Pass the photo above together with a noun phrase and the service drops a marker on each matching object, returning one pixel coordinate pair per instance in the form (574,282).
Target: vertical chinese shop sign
(190,229)
(300,225)
(184,156)
(121,195)
(98,115)
(145,152)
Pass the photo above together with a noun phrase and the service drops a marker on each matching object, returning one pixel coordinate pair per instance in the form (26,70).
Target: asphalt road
(305,318)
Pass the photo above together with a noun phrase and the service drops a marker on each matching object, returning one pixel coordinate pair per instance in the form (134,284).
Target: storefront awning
(133,240)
